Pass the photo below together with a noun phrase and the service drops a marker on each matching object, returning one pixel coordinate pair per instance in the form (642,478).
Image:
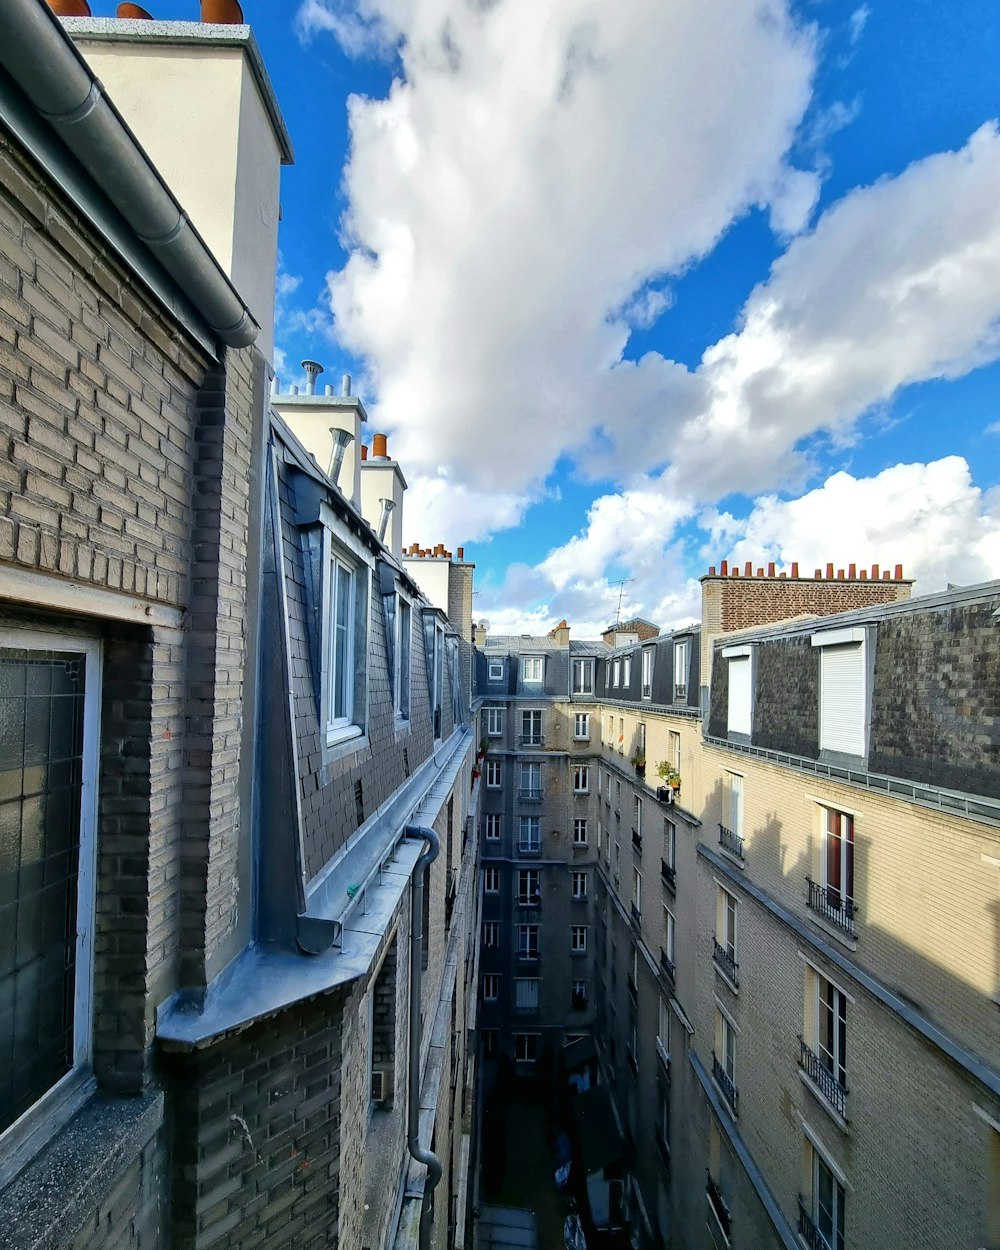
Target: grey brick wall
(786,697)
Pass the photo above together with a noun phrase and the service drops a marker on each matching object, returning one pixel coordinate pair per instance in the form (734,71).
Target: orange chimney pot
(134,11)
(380,447)
(70,8)
(221,12)
(364,451)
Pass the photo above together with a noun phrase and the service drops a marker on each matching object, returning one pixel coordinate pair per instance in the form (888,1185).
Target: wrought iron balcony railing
(668,875)
(832,905)
(821,1076)
(724,1081)
(731,842)
(637,839)
(529,848)
(530,794)
(667,964)
(531,740)
(811,1235)
(725,961)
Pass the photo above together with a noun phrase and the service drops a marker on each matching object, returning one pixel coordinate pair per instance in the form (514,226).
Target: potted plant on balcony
(484,746)
(671,780)
(638,762)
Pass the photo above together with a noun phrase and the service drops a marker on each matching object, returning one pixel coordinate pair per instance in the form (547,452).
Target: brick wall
(747,601)
(96,423)
(257,1152)
(133,1215)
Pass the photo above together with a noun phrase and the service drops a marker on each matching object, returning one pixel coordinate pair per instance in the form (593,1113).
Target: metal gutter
(782,1227)
(42,59)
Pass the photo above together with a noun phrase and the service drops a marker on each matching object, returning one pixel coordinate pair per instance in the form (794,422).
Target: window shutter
(842,699)
(739,695)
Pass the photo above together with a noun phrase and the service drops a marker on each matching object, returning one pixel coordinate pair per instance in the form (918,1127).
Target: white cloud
(538,169)
(857,23)
(930,518)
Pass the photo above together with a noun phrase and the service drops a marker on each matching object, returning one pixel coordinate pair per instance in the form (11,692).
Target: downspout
(427,1157)
(46,65)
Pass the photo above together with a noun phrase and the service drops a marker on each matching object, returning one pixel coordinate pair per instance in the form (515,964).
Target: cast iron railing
(731,842)
(719,1205)
(725,961)
(832,905)
(724,1081)
(822,1078)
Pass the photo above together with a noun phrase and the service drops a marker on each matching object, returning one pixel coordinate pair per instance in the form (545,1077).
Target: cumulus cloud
(931,518)
(534,171)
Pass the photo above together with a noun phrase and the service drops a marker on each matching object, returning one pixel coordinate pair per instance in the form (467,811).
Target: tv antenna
(621,592)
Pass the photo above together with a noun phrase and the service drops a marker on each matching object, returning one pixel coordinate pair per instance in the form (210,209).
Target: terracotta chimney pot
(380,447)
(724,568)
(70,8)
(829,572)
(770,569)
(748,569)
(364,451)
(875,573)
(863,575)
(711,570)
(852,572)
(899,573)
(461,553)
(221,12)
(134,11)
(795,569)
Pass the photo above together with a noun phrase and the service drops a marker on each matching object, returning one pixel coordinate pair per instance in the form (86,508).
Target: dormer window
(532,668)
(842,691)
(583,676)
(494,670)
(681,656)
(739,712)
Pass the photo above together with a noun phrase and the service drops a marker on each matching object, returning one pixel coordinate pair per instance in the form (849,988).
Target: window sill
(726,980)
(738,860)
(59,1191)
(823,1101)
(29,1135)
(341,742)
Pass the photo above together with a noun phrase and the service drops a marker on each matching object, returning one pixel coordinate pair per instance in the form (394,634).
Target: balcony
(530,794)
(667,964)
(719,1208)
(725,1082)
(668,875)
(529,848)
(636,915)
(808,1231)
(527,956)
(725,962)
(531,740)
(731,842)
(823,1079)
(833,906)
(637,839)
(530,900)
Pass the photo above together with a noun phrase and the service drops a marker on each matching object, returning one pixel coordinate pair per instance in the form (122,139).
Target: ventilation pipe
(383,522)
(341,441)
(430,1160)
(345,385)
(313,369)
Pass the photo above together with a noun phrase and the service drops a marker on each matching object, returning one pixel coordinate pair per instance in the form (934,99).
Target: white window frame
(626,671)
(669,934)
(494,670)
(838,1216)
(494,721)
(530,769)
(637,890)
(836,1054)
(739,709)
(663,1030)
(846,857)
(526,988)
(403,660)
(491,929)
(527,951)
(735,799)
(529,887)
(581,779)
(493,827)
(616,680)
(494,775)
(65,1096)
(530,666)
(491,879)
(648,654)
(580,884)
(581,727)
(674,748)
(638,815)
(682,652)
(529,845)
(580,831)
(583,676)
(669,843)
(728,923)
(531,716)
(491,987)
(528,1044)
(339,728)
(727,1045)
(836,644)
(578,939)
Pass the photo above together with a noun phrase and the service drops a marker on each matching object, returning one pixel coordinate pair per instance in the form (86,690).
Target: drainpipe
(430,1160)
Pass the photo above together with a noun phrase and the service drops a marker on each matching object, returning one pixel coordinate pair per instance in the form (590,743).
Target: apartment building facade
(239,915)
(795,960)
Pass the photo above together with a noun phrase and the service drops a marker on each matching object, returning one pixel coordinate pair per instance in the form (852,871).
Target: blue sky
(637,285)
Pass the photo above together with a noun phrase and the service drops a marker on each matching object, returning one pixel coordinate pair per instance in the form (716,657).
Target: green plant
(668,774)
(638,760)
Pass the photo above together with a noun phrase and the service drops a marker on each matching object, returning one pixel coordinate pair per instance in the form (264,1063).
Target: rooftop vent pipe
(313,369)
(383,524)
(345,385)
(341,440)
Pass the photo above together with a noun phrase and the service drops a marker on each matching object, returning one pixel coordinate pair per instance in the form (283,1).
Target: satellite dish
(483,625)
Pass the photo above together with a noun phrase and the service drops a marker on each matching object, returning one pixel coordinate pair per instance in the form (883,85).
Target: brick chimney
(734,599)
(560,634)
(198,98)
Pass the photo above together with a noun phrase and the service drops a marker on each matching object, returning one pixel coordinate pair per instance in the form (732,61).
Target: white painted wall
(431,575)
(199,114)
(381,479)
(310,418)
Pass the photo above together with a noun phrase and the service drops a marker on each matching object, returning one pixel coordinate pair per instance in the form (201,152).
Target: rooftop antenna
(621,592)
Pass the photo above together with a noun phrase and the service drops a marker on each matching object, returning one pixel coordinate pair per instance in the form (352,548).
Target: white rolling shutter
(842,699)
(739,695)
